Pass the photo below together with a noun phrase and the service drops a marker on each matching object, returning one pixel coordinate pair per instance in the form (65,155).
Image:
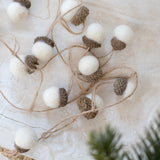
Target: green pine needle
(149,147)
(108,146)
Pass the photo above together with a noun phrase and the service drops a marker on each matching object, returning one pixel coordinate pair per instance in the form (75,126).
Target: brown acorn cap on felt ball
(120,85)
(55,97)
(85,104)
(80,16)
(124,86)
(89,68)
(25,139)
(77,16)
(123,34)
(43,48)
(94,36)
(18,10)
(32,62)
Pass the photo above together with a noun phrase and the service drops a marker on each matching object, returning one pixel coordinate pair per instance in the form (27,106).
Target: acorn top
(80,16)
(85,104)
(120,85)
(95,76)
(45,40)
(90,43)
(63,97)
(117,44)
(25,3)
(31,61)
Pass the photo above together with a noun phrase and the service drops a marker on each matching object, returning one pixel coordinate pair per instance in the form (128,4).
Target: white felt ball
(26,138)
(88,65)
(17,68)
(95,32)
(98,100)
(123,33)
(42,51)
(68,5)
(51,97)
(130,88)
(16,12)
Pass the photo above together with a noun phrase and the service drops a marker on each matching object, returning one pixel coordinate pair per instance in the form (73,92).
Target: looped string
(96,87)
(53,130)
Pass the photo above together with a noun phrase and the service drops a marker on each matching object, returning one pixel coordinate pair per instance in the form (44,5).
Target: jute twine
(13,155)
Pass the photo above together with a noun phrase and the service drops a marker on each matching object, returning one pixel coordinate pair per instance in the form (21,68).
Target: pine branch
(149,147)
(106,146)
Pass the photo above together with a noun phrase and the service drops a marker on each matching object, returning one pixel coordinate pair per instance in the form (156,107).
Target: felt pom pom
(17,12)
(85,104)
(123,33)
(55,97)
(98,100)
(43,48)
(94,36)
(31,62)
(68,5)
(25,139)
(88,65)
(120,85)
(80,16)
(129,89)
(17,68)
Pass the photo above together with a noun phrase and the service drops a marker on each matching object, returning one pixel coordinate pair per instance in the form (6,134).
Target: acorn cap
(90,43)
(20,150)
(117,44)
(80,16)
(120,85)
(31,61)
(45,40)
(63,97)
(25,3)
(85,104)
(95,76)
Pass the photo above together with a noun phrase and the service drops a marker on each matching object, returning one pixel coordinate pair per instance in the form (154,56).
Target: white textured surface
(130,117)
